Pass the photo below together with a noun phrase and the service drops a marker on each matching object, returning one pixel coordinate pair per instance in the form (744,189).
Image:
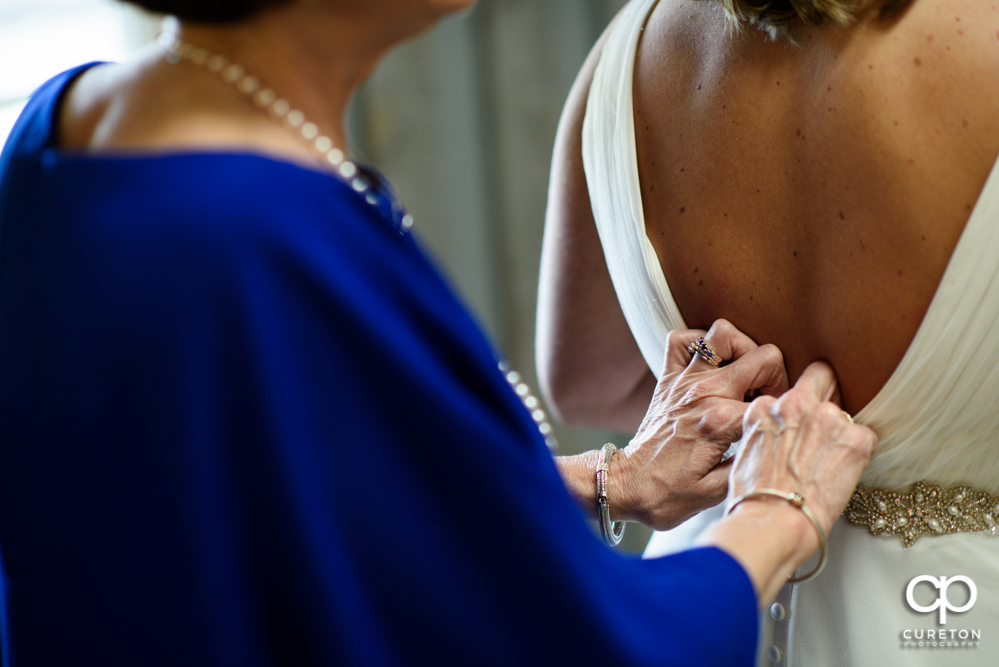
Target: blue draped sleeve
(244,421)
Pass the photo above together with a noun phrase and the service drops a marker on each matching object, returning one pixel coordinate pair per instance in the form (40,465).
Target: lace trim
(924,510)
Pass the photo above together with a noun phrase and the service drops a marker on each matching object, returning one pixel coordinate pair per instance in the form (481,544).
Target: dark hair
(209,11)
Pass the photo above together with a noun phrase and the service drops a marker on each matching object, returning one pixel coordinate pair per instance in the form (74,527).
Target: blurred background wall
(462,120)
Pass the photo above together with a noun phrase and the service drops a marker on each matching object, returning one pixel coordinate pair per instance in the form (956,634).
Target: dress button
(777,611)
(776,655)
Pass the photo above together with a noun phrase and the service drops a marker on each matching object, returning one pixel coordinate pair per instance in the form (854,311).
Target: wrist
(579,473)
(624,494)
(769,538)
(798,537)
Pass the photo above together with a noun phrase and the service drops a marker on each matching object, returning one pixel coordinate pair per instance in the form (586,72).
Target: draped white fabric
(937,417)
(611,165)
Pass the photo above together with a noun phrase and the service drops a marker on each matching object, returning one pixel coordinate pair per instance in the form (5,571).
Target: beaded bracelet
(612,532)
(798,501)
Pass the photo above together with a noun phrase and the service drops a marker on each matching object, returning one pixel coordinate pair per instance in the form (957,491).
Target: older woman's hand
(804,443)
(674,466)
(800,443)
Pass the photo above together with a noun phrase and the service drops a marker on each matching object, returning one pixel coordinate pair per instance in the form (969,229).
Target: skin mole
(917,61)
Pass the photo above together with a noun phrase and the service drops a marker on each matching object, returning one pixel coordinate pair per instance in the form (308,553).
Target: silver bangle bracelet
(798,501)
(611,532)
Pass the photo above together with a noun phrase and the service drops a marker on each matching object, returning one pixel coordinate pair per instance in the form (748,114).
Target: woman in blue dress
(245,421)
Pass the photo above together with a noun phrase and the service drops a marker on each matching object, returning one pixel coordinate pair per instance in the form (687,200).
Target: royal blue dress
(244,421)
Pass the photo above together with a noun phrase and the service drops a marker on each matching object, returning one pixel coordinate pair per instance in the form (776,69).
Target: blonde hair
(778,17)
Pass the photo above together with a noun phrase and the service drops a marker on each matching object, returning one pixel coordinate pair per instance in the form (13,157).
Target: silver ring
(700,348)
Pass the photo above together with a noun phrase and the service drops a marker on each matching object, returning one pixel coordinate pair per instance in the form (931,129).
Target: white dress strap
(611,165)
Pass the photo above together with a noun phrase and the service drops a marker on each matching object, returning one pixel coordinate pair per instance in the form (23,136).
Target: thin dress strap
(611,165)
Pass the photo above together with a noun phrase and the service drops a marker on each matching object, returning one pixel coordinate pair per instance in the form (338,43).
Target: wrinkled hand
(673,468)
(803,443)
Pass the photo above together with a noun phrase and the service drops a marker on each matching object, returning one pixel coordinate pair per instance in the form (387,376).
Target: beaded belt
(924,510)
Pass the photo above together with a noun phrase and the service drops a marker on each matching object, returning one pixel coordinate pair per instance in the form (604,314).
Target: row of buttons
(778,613)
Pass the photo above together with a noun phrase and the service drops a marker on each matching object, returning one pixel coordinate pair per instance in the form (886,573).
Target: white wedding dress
(937,417)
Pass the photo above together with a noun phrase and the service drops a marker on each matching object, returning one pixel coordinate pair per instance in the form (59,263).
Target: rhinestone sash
(924,510)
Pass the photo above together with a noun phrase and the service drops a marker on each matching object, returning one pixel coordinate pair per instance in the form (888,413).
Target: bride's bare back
(812,194)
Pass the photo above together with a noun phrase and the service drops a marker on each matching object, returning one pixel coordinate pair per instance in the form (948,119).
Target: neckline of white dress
(973,221)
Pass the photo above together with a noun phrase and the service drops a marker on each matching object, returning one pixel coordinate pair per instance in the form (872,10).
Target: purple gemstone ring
(701,349)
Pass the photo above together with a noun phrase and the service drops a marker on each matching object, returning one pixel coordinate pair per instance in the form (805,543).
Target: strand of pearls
(278,107)
(531,403)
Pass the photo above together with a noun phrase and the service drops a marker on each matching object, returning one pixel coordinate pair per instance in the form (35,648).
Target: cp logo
(942,603)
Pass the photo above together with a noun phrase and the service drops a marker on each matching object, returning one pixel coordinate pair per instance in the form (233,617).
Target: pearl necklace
(280,109)
(532,404)
(267,100)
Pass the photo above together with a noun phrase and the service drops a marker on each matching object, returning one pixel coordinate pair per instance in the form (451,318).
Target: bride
(820,173)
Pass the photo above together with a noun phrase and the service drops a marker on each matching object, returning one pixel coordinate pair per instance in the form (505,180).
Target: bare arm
(590,368)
